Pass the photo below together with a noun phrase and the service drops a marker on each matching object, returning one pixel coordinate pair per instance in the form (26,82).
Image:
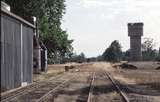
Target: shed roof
(17,17)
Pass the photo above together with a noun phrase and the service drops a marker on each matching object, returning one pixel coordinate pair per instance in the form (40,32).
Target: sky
(94,24)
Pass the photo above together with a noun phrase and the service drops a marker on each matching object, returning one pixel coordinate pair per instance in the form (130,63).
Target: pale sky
(94,24)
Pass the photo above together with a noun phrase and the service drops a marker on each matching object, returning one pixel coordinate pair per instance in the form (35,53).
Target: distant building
(135,31)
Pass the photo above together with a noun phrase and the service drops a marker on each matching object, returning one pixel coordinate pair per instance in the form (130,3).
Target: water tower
(135,31)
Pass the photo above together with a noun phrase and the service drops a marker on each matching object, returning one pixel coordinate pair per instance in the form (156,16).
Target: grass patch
(46,75)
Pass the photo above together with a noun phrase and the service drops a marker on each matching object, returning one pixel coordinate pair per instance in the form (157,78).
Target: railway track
(87,85)
(91,88)
(45,90)
(45,96)
(108,77)
(20,91)
(29,90)
(124,96)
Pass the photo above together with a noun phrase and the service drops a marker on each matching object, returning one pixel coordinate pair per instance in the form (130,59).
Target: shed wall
(16,41)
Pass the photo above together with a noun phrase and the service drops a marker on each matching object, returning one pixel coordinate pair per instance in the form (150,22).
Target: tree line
(114,52)
(49,15)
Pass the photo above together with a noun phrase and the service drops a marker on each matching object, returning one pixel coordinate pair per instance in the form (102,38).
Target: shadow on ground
(151,89)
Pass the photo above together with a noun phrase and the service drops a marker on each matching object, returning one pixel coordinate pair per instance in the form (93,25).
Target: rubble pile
(127,66)
(158,68)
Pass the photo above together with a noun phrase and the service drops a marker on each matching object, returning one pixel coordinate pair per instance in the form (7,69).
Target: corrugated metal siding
(27,53)
(10,62)
(13,54)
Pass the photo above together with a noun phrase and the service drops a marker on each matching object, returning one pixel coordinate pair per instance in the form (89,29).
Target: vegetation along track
(100,88)
(45,96)
(34,91)
(23,90)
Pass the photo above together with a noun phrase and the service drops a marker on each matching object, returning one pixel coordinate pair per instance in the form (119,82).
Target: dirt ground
(143,82)
(78,89)
(140,85)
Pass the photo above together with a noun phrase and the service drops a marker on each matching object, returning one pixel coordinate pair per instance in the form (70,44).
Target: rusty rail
(124,96)
(21,91)
(89,99)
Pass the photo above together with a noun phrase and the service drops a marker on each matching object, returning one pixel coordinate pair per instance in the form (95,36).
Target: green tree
(148,51)
(159,51)
(126,55)
(49,14)
(80,58)
(99,58)
(113,53)
(77,58)
(158,56)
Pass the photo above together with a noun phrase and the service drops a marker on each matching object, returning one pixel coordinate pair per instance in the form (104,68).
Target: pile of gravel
(67,68)
(158,62)
(127,66)
(158,68)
